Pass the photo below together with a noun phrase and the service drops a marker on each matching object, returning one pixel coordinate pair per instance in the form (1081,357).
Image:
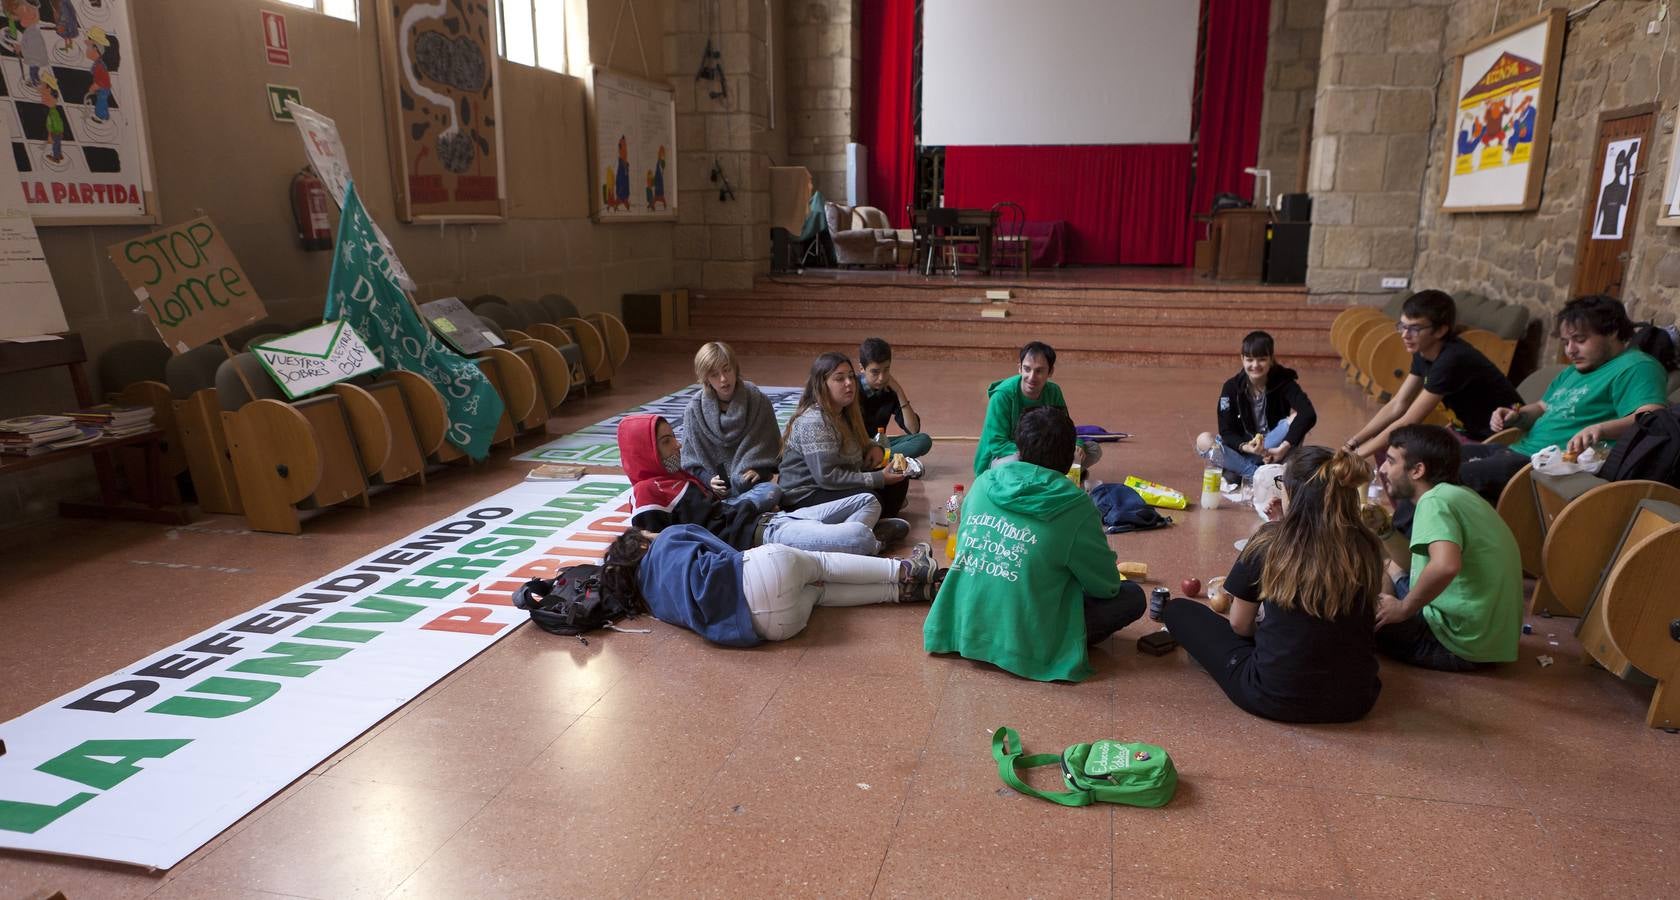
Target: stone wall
(723,243)
(1292,48)
(823,66)
(1610,62)
(1371,125)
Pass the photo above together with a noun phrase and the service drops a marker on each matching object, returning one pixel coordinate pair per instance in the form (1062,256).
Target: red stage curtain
(887,127)
(1233,86)
(1123,204)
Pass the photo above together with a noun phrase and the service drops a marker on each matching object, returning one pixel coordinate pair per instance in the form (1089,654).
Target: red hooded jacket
(664,498)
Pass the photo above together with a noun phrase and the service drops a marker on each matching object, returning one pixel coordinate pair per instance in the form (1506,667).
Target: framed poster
(633,149)
(70,81)
(1669,214)
(445,109)
(1505,87)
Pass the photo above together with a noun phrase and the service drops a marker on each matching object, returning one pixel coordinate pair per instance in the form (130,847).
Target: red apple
(1192,587)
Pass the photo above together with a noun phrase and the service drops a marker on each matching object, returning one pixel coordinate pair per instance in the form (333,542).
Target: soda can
(1157,599)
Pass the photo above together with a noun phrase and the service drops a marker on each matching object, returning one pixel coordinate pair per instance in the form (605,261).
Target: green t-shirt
(1576,399)
(1479,615)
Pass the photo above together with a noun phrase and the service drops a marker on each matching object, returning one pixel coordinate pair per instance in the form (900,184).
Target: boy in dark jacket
(1263,413)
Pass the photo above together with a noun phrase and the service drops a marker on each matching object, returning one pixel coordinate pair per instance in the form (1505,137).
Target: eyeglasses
(1413,330)
(1277,480)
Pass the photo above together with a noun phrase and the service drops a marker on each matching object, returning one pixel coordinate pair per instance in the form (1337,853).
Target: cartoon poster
(1506,89)
(70,92)
(635,160)
(445,113)
(1615,189)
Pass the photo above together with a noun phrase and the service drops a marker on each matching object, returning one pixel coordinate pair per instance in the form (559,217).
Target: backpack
(571,603)
(1131,773)
(1650,452)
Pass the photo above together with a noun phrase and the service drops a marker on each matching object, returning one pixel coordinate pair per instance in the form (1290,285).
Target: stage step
(1224,332)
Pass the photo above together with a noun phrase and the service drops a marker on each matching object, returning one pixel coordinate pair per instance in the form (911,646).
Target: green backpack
(1110,771)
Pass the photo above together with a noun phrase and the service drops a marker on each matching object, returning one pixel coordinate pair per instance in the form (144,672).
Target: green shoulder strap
(1002,739)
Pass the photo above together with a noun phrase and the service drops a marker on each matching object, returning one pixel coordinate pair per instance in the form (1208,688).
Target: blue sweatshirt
(693,580)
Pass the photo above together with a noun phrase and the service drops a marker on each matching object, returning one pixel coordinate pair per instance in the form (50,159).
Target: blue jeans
(914,446)
(846,525)
(761,498)
(1243,464)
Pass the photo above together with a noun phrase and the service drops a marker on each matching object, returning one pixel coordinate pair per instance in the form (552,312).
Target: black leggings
(1229,658)
(1104,617)
(892,497)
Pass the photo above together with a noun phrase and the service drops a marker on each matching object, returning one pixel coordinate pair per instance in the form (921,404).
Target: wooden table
(69,352)
(983,221)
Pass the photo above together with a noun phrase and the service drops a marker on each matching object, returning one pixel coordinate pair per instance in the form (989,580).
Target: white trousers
(784,584)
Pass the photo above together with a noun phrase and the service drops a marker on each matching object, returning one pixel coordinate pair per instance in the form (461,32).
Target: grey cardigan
(813,461)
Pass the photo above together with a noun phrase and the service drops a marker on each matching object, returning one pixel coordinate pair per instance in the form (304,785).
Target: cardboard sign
(188,283)
(276,47)
(314,358)
(332,164)
(458,327)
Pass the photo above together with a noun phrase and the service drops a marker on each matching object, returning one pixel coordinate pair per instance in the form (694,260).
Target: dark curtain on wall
(1233,80)
(887,127)
(1123,204)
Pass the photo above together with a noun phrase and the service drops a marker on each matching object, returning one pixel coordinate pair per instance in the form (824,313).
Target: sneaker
(919,585)
(891,531)
(913,467)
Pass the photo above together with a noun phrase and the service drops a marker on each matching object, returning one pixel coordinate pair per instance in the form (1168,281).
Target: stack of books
(113,420)
(32,435)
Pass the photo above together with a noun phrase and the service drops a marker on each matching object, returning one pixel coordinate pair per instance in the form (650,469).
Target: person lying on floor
(730,439)
(1462,604)
(826,454)
(1263,413)
(663,495)
(1311,656)
(883,400)
(1007,400)
(687,577)
(1034,581)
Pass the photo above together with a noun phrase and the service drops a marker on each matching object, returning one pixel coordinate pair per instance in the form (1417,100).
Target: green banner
(363,292)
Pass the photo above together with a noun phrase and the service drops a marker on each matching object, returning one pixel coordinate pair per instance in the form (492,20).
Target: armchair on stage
(864,237)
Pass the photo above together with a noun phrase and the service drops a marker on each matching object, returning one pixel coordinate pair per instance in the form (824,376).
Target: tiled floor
(846,762)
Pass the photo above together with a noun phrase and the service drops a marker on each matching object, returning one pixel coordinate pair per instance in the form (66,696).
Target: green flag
(363,292)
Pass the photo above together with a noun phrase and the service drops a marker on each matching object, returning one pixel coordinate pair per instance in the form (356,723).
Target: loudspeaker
(1295,208)
(1286,253)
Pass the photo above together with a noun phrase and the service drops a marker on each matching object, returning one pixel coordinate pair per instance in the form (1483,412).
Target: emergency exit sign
(278,94)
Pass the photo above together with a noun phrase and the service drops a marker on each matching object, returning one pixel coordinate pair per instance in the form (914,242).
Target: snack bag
(1156,494)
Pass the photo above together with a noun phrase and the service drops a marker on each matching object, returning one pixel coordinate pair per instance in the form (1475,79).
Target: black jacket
(1283,396)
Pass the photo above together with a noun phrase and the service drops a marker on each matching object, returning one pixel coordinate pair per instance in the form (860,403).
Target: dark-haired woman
(688,577)
(826,453)
(1299,645)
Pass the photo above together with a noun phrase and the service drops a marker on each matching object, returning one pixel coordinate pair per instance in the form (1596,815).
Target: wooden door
(1621,157)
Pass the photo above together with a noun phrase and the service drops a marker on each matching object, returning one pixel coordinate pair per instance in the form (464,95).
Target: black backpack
(1650,452)
(571,603)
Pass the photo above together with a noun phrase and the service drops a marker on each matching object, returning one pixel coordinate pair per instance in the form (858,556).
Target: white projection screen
(1006,72)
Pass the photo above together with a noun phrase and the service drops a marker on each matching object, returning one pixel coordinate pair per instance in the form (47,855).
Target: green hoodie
(1004,407)
(1030,548)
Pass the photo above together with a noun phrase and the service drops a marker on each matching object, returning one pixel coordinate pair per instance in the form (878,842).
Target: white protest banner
(326,153)
(147,764)
(314,358)
(30,302)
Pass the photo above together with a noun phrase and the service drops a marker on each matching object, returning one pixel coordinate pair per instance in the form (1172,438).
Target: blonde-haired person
(826,453)
(729,441)
(1299,645)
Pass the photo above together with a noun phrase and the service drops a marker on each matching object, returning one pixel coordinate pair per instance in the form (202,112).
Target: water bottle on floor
(953,518)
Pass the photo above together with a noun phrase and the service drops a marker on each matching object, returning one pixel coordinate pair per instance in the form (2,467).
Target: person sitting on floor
(1034,581)
(1311,656)
(1608,383)
(664,495)
(1263,413)
(1445,369)
(883,399)
(1462,604)
(826,454)
(1009,398)
(688,577)
(730,439)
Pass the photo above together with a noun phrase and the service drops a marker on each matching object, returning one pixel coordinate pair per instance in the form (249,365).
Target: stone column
(1371,132)
(1293,44)
(822,70)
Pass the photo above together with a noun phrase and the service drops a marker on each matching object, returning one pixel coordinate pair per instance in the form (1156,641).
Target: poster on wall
(1670,214)
(633,141)
(1506,87)
(445,109)
(70,85)
(28,298)
(1615,189)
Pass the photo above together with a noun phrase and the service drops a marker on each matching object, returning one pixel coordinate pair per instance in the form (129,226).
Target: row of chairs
(1375,358)
(248,450)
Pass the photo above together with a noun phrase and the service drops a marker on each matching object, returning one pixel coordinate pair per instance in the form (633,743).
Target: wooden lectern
(1237,244)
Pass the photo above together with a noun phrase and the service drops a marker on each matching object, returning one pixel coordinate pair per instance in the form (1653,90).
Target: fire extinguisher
(309,211)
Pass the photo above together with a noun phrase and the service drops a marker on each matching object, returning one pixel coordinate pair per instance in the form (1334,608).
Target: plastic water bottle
(953,518)
(1374,493)
(1210,488)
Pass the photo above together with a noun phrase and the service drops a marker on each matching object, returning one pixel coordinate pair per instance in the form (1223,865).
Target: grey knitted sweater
(813,461)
